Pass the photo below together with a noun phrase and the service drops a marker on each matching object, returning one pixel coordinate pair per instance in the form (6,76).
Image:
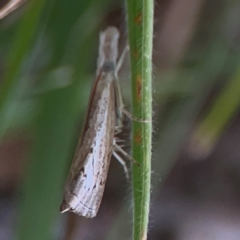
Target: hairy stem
(140,27)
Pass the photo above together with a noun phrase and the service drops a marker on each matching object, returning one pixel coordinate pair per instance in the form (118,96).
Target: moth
(86,181)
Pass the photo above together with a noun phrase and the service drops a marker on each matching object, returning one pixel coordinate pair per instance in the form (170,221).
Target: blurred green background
(48,58)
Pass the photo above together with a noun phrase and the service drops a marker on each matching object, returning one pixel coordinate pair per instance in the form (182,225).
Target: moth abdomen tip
(64,207)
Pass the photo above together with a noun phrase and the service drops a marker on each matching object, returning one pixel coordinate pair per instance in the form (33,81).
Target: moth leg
(121,59)
(118,129)
(127,113)
(118,148)
(117,89)
(122,163)
(119,101)
(120,105)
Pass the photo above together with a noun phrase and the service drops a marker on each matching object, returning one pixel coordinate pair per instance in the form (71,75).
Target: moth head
(108,49)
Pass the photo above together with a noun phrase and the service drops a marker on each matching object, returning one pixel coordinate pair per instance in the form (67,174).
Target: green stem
(140,25)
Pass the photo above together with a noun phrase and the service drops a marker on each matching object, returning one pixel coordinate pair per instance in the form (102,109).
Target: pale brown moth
(86,181)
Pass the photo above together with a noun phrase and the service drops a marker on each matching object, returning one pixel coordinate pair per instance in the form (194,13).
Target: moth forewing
(86,182)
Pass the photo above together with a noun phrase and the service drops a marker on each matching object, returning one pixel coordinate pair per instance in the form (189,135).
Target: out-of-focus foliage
(44,88)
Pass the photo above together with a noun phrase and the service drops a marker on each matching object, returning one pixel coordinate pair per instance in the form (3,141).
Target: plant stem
(140,26)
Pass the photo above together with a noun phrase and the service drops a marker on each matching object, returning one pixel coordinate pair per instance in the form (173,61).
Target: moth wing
(85,187)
